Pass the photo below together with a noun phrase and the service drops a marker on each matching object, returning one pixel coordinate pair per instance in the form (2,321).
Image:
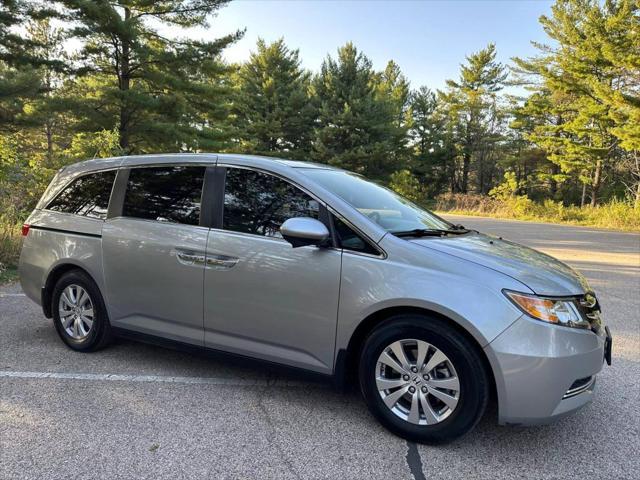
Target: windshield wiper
(429,232)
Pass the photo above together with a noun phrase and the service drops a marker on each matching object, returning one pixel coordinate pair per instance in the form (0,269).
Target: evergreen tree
(430,140)
(586,70)
(20,57)
(163,94)
(471,103)
(393,88)
(273,109)
(357,129)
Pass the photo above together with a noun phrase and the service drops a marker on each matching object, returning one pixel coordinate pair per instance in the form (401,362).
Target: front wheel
(422,379)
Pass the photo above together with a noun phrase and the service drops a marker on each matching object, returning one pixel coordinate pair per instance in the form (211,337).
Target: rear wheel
(79,313)
(422,379)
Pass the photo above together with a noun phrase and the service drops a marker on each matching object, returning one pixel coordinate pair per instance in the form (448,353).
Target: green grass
(614,215)
(10,244)
(8,275)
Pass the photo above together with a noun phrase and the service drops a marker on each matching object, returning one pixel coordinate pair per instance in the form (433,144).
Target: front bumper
(536,367)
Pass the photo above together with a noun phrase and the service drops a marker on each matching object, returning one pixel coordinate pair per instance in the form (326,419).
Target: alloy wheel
(76,311)
(417,382)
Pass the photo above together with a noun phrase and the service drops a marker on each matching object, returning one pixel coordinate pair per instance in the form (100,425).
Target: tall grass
(10,244)
(615,214)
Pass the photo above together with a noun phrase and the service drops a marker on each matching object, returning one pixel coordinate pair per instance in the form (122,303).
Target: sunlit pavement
(138,411)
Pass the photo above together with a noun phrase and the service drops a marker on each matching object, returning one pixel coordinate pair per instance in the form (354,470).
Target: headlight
(561,311)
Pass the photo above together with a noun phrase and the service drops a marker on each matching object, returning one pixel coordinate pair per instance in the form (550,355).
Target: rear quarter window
(87,195)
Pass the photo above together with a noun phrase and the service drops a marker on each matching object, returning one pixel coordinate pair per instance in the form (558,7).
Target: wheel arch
(52,278)
(347,359)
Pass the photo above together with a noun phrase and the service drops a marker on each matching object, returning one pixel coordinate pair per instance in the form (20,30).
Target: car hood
(542,273)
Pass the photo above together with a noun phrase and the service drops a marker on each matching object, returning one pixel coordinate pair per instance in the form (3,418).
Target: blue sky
(428,39)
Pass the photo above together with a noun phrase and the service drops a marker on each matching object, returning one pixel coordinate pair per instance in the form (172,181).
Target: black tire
(464,355)
(99,334)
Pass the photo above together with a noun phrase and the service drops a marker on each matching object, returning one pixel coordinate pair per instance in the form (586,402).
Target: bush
(407,185)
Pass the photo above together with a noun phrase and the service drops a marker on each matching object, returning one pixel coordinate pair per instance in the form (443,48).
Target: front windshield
(383,206)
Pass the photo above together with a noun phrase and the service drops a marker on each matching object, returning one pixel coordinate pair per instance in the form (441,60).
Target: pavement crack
(272,427)
(414,461)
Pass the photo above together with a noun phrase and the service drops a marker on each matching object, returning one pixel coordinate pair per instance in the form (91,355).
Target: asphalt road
(139,411)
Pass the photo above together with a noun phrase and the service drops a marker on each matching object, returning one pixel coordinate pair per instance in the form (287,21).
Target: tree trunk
(124,85)
(49,133)
(595,185)
(584,195)
(453,178)
(635,173)
(553,185)
(466,162)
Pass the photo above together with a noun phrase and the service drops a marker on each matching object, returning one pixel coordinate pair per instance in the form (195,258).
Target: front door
(262,297)
(154,254)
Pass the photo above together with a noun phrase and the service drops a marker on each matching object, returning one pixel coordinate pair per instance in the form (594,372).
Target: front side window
(87,195)
(165,194)
(259,203)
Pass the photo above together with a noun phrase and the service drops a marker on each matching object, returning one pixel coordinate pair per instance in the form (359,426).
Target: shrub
(407,185)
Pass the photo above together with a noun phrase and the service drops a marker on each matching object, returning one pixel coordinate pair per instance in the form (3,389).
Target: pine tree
(431,142)
(162,93)
(357,129)
(472,107)
(274,112)
(20,58)
(393,89)
(586,70)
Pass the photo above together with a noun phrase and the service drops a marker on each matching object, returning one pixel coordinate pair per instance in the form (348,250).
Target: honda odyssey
(315,268)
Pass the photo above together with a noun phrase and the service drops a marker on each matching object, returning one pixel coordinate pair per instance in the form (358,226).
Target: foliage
(586,89)
(10,244)
(105,143)
(163,94)
(471,105)
(406,184)
(432,142)
(357,127)
(273,111)
(507,189)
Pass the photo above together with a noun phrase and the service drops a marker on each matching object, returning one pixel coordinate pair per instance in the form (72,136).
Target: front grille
(589,308)
(579,386)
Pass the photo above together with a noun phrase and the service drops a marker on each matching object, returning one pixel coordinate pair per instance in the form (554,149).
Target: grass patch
(10,245)
(8,275)
(615,215)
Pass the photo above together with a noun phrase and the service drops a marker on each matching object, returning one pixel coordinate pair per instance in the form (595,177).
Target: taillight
(25,229)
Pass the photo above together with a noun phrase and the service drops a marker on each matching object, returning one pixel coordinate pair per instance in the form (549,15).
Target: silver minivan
(319,269)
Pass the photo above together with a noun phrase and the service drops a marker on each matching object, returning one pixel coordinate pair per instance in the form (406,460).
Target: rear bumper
(544,372)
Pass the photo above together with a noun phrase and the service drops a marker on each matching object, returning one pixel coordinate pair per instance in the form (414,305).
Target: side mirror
(302,231)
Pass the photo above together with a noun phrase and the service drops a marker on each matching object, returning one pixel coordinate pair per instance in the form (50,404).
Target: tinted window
(87,195)
(165,194)
(350,240)
(259,203)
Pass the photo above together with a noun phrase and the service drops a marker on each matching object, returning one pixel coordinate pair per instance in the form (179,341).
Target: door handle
(221,262)
(188,257)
